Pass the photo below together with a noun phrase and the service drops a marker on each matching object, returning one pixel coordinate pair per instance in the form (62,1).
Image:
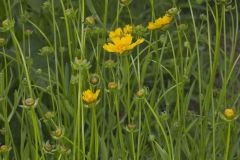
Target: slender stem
(119,127)
(130,15)
(162,129)
(228,141)
(139,129)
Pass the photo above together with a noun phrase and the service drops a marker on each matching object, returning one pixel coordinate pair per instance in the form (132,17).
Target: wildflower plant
(119,79)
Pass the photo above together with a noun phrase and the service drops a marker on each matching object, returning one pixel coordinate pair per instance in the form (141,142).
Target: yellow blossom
(229,113)
(89,97)
(160,22)
(121,44)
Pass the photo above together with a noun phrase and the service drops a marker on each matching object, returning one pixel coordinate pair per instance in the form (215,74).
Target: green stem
(228,141)
(162,129)
(116,101)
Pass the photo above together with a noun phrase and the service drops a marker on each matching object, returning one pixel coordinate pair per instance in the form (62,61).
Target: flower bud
(64,150)
(74,79)
(3,131)
(112,85)
(131,127)
(182,27)
(46,50)
(2,42)
(62,49)
(46,5)
(139,30)
(151,137)
(109,63)
(141,93)
(49,148)
(164,116)
(125,2)
(94,79)
(173,11)
(7,25)
(28,32)
(90,20)
(5,148)
(49,115)
(203,17)
(187,44)
(80,64)
(70,13)
(39,71)
(29,103)
(229,113)
(58,133)
(24,17)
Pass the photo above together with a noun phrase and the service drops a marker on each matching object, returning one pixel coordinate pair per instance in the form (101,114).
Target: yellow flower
(89,97)
(229,113)
(160,22)
(121,44)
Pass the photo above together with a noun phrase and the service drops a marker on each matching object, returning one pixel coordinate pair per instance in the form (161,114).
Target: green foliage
(163,99)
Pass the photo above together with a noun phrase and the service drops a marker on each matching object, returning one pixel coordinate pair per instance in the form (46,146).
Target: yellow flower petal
(127,29)
(117,33)
(139,41)
(160,22)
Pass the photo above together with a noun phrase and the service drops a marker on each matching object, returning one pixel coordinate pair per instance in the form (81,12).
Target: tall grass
(164,99)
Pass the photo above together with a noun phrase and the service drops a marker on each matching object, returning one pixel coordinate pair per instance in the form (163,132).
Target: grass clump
(127,79)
